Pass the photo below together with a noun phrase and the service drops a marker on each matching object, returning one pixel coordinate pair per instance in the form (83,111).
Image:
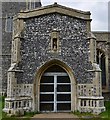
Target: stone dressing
(53,36)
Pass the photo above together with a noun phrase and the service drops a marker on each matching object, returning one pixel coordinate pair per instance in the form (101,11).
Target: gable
(55,8)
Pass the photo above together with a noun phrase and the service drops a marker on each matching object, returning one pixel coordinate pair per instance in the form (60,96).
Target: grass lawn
(106,114)
(1,106)
(0,109)
(2,114)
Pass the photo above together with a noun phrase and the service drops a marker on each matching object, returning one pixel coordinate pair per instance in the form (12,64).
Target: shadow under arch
(101,59)
(38,75)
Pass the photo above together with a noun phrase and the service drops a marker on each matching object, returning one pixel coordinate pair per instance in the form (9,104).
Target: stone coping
(91,97)
(54,8)
(18,98)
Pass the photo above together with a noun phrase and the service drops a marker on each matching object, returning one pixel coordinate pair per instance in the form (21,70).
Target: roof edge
(52,9)
(56,5)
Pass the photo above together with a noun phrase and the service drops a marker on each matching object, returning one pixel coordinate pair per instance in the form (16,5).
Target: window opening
(9,24)
(101,62)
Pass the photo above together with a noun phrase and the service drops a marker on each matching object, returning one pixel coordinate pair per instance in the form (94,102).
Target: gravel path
(55,115)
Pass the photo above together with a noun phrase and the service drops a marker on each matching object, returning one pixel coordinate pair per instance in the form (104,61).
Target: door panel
(63,88)
(63,79)
(46,106)
(63,97)
(63,106)
(47,88)
(46,97)
(47,79)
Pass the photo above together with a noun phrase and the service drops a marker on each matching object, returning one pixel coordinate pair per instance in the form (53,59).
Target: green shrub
(2,101)
(106,114)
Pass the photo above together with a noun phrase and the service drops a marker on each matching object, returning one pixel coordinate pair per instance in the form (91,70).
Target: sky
(98,8)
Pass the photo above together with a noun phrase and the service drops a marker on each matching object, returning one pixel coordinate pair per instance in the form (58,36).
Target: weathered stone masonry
(32,53)
(10,9)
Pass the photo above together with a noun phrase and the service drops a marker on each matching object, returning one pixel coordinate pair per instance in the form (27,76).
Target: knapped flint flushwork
(35,49)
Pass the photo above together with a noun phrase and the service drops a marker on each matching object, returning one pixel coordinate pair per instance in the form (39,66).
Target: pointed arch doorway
(55,90)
